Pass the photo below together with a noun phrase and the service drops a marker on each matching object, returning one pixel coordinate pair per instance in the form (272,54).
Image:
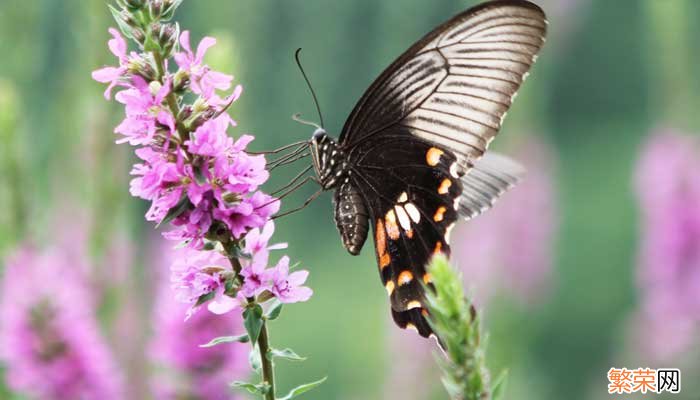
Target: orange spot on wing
(433,156)
(392,229)
(405,277)
(380,238)
(409,233)
(444,186)
(425,313)
(440,214)
(384,260)
(438,248)
(427,278)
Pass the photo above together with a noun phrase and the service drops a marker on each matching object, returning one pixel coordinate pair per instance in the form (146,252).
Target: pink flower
(506,250)
(50,339)
(256,243)
(112,75)
(257,279)
(195,274)
(183,368)
(204,81)
(211,139)
(287,287)
(668,191)
(252,212)
(144,109)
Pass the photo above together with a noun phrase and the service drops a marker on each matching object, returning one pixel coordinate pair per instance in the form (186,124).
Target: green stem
(170,98)
(267,368)
(268,372)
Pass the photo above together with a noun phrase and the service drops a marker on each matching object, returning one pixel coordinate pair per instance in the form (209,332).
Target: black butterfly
(410,159)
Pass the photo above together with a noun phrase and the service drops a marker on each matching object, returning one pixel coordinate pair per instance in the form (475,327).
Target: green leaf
(204,298)
(274,310)
(254,359)
(253,322)
(170,11)
(302,389)
(175,212)
(126,29)
(251,387)
(287,354)
(499,386)
(226,339)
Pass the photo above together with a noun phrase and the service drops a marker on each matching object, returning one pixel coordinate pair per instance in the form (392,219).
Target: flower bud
(231,199)
(155,9)
(136,4)
(167,38)
(141,67)
(181,81)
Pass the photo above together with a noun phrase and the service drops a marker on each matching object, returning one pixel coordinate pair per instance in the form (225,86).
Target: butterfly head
(329,160)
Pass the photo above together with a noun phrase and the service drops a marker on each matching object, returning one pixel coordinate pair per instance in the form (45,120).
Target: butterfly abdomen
(351,217)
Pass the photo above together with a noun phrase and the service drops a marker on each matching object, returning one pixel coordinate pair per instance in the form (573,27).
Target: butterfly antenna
(308,83)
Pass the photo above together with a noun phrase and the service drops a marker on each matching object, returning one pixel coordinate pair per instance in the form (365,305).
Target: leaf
(303,389)
(253,322)
(226,339)
(204,298)
(170,11)
(287,354)
(254,359)
(499,386)
(274,310)
(175,212)
(126,29)
(251,387)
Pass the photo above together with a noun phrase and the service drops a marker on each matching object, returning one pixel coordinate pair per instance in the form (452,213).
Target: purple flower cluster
(191,170)
(197,275)
(199,179)
(507,249)
(668,192)
(184,369)
(50,341)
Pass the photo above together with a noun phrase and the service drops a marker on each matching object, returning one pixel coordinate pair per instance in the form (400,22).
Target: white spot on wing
(413,212)
(403,197)
(448,231)
(403,218)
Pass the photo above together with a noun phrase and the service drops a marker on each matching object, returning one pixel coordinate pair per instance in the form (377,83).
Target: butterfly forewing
(455,85)
(414,142)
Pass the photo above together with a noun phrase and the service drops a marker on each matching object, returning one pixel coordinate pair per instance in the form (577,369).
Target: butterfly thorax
(330,163)
(333,172)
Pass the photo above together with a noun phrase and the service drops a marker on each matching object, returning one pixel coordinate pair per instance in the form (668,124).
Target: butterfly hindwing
(411,201)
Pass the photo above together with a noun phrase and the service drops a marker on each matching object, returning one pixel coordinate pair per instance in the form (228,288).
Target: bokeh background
(557,269)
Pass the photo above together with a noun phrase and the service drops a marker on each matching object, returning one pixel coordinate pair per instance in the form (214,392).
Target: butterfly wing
(415,140)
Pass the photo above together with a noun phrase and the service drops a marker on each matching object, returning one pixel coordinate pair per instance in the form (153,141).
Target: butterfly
(411,158)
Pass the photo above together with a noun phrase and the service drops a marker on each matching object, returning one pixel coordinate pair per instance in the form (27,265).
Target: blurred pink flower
(668,191)
(509,248)
(50,340)
(183,368)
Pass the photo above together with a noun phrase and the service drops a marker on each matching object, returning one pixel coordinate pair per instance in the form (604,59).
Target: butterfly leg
(303,206)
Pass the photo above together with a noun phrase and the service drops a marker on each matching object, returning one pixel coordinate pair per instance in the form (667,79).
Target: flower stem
(267,369)
(170,98)
(268,372)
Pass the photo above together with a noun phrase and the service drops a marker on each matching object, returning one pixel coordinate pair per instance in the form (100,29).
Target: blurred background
(592,263)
